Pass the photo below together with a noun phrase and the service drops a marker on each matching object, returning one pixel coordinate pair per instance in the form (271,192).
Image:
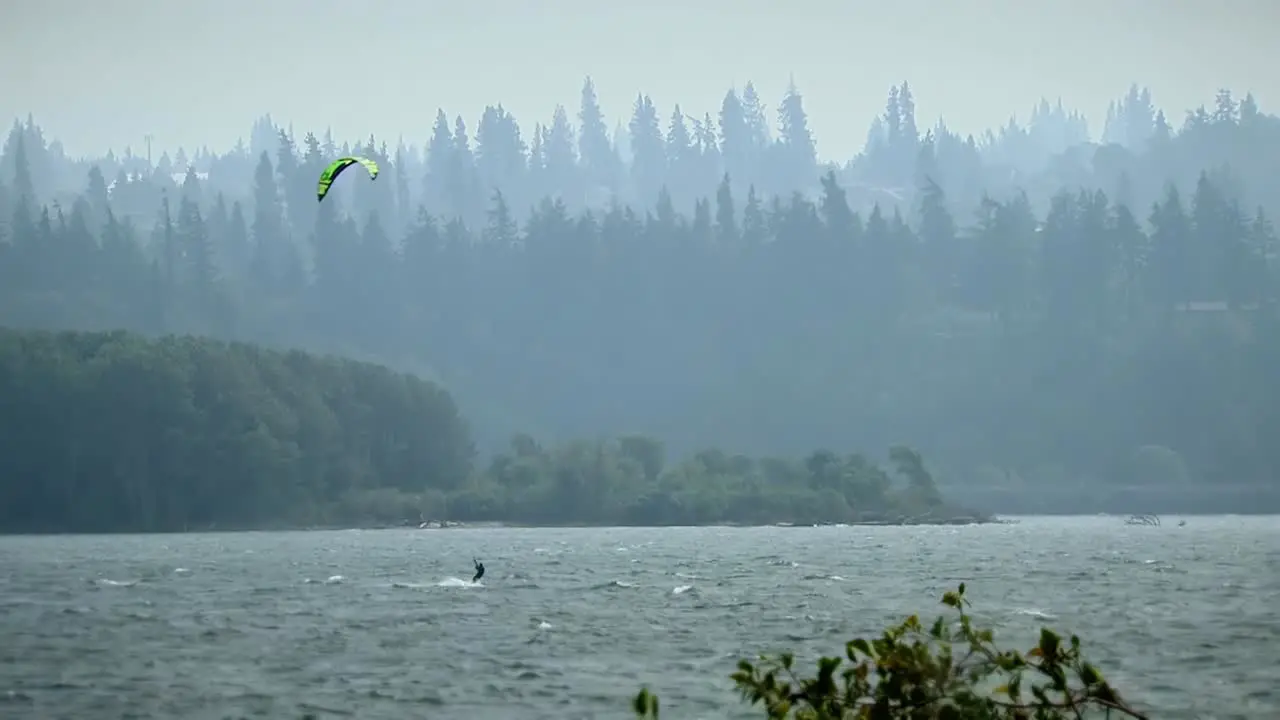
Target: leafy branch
(947,671)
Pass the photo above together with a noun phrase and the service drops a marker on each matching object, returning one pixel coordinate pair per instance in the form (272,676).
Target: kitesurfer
(479,570)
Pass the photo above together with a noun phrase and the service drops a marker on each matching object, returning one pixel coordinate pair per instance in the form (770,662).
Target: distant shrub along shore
(114,432)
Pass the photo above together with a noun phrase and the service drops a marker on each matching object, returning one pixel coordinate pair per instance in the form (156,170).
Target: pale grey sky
(191,72)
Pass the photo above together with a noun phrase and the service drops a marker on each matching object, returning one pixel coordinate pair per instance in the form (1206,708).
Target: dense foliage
(112,432)
(1034,311)
(951,670)
(625,482)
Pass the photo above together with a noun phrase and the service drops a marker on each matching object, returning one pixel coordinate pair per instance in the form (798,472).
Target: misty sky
(191,72)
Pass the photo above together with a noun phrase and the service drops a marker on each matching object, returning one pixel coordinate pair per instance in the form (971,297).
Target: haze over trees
(1029,308)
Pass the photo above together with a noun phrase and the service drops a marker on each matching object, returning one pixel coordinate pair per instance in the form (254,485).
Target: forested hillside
(111,432)
(1028,307)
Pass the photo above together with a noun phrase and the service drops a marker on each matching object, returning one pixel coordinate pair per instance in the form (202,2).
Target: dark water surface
(569,623)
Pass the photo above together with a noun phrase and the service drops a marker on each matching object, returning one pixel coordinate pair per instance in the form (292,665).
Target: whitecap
(1032,612)
(453,582)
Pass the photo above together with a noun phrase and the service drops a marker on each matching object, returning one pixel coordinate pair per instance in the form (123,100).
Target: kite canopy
(336,168)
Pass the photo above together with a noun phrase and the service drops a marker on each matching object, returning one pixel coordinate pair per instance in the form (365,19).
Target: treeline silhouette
(456,172)
(1079,306)
(105,432)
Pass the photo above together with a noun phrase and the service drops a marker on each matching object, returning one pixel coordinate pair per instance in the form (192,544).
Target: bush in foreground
(949,671)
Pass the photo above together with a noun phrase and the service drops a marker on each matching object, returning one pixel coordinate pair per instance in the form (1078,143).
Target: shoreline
(497,525)
(958,521)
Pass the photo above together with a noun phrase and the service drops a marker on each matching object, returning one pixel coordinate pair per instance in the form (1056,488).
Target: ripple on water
(570,622)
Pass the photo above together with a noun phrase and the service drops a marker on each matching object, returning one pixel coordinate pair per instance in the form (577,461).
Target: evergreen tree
(797,151)
(726,230)
(648,150)
(601,165)
(269,264)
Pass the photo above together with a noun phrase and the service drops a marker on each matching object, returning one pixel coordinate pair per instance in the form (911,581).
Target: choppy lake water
(568,623)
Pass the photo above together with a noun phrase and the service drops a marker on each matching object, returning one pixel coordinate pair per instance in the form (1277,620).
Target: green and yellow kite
(335,169)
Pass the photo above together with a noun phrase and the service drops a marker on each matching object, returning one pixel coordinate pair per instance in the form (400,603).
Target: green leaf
(1049,644)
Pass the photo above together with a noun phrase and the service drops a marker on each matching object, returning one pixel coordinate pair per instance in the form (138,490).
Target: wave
(613,584)
(331,580)
(118,583)
(1037,614)
(453,582)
